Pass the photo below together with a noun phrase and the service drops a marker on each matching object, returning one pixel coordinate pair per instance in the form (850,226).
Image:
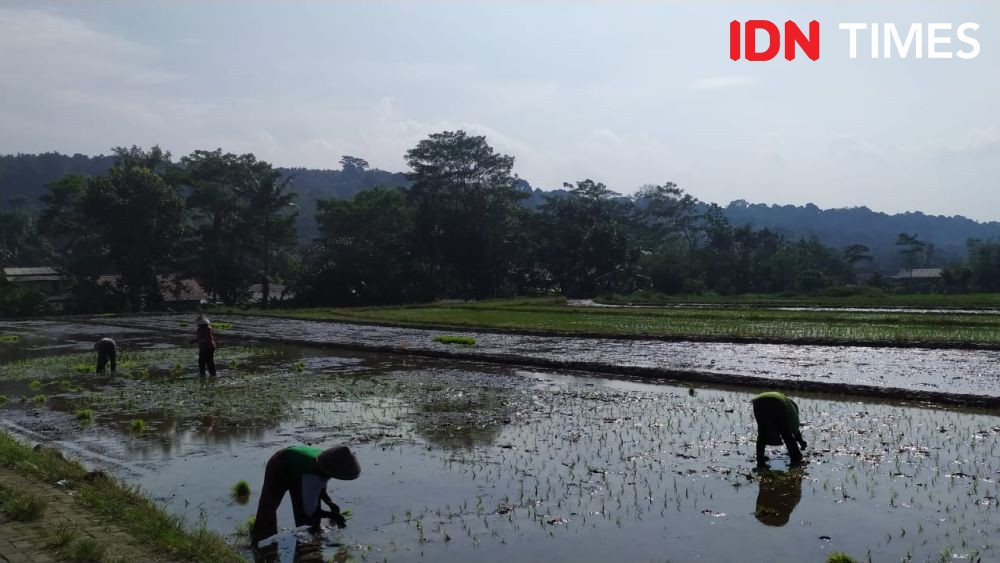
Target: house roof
(919,273)
(172,288)
(40,273)
(176,289)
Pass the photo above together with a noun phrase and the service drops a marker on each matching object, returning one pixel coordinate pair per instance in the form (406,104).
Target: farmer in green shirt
(777,419)
(302,471)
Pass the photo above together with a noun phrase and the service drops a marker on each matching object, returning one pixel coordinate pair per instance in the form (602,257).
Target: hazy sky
(627,93)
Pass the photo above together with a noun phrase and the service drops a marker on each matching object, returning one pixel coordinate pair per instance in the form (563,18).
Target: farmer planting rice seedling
(302,472)
(777,419)
(106,353)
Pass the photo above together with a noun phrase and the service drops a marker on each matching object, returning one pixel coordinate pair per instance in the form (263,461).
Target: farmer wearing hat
(206,346)
(302,471)
(777,419)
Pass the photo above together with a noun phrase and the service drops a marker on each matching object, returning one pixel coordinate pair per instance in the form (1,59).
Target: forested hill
(26,175)
(860,225)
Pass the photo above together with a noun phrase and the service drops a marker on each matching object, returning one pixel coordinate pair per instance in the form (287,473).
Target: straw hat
(338,462)
(202,320)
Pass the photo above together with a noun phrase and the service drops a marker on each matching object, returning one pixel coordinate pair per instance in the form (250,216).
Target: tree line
(458,230)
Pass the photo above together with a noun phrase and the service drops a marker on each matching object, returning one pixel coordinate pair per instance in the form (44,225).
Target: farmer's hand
(338,519)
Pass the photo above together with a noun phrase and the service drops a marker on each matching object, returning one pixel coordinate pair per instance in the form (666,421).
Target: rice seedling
(241,491)
(244,529)
(459,340)
(9,338)
(138,425)
(39,399)
(35,384)
(84,415)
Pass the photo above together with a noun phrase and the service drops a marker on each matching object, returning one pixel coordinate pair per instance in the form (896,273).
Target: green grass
(833,297)
(21,506)
(244,529)
(111,501)
(85,550)
(552,315)
(461,340)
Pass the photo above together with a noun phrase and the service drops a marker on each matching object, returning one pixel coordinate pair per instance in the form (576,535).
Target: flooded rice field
(471,461)
(914,370)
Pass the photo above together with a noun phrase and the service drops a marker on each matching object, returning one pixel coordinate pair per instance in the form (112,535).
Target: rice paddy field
(975,327)
(470,460)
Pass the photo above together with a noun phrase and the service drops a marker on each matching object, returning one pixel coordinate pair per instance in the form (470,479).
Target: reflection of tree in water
(779,494)
(168,434)
(462,418)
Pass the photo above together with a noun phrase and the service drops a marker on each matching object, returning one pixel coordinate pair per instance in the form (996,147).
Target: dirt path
(24,542)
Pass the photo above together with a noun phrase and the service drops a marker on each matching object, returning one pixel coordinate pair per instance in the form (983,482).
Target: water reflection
(779,494)
(462,419)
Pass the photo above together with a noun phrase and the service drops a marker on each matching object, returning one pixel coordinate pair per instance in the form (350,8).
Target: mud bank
(944,376)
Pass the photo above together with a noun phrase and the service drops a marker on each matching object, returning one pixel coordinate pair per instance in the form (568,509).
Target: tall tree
(217,209)
(466,220)
(911,250)
(586,245)
(271,213)
(137,218)
(672,212)
(363,254)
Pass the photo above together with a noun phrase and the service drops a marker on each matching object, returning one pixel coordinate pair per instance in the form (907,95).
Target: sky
(626,93)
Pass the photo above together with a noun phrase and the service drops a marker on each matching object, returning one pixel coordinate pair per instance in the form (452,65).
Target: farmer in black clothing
(105,353)
(302,472)
(777,422)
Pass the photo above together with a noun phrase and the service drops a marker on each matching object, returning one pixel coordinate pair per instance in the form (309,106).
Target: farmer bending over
(105,353)
(302,471)
(777,421)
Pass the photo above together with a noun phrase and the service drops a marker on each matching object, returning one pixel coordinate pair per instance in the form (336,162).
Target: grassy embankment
(870,298)
(739,323)
(122,505)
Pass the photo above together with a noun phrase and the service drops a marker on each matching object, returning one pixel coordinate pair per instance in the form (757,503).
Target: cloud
(720,82)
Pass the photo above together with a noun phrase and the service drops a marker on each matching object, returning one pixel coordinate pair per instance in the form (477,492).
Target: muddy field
(910,371)
(464,460)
